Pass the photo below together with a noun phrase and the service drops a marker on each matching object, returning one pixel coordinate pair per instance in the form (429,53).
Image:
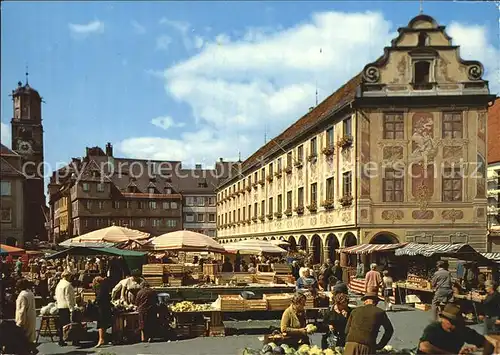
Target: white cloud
(473,41)
(166,122)
(138,28)
(163,42)
(241,88)
(5,138)
(92,27)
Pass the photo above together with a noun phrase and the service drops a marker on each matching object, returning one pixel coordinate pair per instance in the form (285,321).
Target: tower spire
(421,6)
(27,74)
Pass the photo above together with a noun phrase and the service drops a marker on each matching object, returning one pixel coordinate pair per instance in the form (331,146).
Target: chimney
(311,108)
(221,160)
(109,150)
(87,151)
(197,166)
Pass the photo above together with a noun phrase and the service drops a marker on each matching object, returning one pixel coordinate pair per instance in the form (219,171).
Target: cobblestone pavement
(408,323)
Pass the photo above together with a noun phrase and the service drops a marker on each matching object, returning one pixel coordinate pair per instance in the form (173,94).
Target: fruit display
(273,349)
(120,306)
(186,306)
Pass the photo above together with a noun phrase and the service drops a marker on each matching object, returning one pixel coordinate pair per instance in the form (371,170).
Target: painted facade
(396,154)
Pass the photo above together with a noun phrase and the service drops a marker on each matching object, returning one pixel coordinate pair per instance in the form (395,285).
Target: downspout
(356,174)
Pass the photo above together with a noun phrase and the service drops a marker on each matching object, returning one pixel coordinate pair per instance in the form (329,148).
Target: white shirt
(26,314)
(65,295)
(117,290)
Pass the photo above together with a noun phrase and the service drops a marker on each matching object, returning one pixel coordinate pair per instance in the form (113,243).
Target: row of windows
(199,217)
(243,213)
(299,157)
(200,201)
(101,187)
(142,222)
(452,125)
(141,205)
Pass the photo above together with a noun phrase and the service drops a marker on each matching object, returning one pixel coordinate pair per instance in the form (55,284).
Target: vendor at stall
(293,321)
(307,283)
(491,309)
(146,302)
(131,287)
(449,335)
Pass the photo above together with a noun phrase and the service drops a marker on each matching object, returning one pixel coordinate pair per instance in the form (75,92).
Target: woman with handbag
(336,321)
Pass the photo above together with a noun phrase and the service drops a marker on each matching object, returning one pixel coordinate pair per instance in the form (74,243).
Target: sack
(74,332)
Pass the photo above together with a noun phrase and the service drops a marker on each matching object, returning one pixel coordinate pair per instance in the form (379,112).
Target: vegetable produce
(311,328)
(186,306)
(273,349)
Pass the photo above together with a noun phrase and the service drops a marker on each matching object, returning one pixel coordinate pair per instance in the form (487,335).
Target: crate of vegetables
(278,302)
(256,305)
(232,303)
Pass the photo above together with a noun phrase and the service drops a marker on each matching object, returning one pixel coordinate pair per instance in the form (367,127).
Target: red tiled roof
(335,101)
(494,133)
(6,151)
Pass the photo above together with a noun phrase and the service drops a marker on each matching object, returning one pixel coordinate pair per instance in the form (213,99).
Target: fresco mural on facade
(424,145)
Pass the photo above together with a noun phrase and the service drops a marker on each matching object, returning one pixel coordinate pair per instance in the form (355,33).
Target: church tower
(27,141)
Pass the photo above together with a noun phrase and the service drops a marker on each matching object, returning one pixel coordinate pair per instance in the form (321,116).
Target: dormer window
(151,190)
(423,39)
(421,75)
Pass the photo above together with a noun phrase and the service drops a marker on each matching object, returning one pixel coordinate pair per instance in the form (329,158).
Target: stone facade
(397,154)
(12,211)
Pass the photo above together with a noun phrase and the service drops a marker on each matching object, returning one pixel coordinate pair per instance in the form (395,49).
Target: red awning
(12,250)
(371,248)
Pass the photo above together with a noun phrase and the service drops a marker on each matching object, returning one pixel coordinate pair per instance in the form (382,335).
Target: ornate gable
(423,61)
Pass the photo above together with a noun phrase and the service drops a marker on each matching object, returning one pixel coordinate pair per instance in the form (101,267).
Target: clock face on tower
(24,147)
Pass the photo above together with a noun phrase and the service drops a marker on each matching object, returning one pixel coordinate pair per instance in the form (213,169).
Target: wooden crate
(282,269)
(154,281)
(88,296)
(265,277)
(210,269)
(174,282)
(183,331)
(232,303)
(175,269)
(423,306)
(256,305)
(309,302)
(199,330)
(278,302)
(152,270)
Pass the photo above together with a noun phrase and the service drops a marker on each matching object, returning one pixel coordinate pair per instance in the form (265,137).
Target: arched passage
(332,244)
(11,241)
(303,243)
(384,238)
(293,243)
(349,241)
(316,249)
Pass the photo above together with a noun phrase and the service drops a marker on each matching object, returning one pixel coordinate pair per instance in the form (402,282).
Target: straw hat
(452,312)
(370,295)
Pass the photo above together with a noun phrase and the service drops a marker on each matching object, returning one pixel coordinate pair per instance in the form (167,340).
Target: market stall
(112,235)
(381,254)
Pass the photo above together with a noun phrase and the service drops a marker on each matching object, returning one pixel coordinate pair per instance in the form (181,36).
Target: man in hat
(449,335)
(364,325)
(443,287)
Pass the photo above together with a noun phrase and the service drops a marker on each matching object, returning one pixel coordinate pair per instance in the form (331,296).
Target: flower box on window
(298,164)
(312,158)
(328,204)
(278,214)
(262,182)
(288,170)
(299,209)
(345,142)
(313,207)
(278,174)
(269,178)
(346,200)
(269,216)
(328,150)
(288,212)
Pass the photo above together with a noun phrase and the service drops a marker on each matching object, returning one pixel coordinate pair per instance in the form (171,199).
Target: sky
(199,81)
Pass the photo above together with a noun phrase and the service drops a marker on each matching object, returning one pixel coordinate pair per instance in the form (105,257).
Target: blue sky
(200,80)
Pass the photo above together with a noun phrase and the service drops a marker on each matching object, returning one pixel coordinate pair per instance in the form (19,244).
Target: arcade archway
(384,238)
(11,241)
(303,243)
(349,240)
(316,249)
(293,243)
(332,244)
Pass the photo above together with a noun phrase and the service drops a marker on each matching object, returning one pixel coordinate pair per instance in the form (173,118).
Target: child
(387,280)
